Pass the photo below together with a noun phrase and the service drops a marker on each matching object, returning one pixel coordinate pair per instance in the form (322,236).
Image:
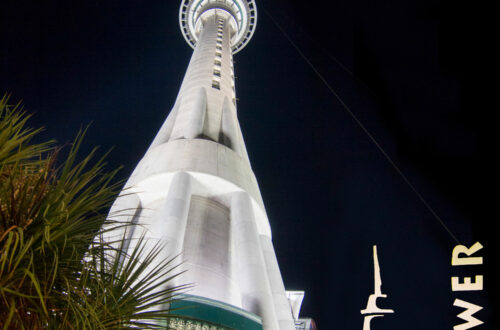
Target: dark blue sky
(415,77)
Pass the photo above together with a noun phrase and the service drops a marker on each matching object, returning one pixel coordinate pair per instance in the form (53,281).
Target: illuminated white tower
(195,189)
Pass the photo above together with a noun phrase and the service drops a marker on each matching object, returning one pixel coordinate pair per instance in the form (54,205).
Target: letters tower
(194,189)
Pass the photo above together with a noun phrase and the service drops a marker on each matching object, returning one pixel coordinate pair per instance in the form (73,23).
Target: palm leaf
(54,272)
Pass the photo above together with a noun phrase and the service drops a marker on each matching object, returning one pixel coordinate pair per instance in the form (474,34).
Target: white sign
(372,310)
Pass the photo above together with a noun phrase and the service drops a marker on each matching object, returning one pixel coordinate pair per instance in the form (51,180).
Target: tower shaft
(194,189)
(206,103)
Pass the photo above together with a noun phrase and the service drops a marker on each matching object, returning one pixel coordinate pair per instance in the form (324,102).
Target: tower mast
(195,190)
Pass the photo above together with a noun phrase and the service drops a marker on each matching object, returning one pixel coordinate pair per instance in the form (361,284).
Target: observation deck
(243,19)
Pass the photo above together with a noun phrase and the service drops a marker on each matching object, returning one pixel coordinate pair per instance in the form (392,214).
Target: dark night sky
(415,75)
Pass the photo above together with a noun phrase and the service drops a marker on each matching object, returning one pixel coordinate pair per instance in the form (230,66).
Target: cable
(365,130)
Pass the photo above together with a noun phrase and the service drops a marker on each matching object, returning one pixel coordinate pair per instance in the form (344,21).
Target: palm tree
(56,271)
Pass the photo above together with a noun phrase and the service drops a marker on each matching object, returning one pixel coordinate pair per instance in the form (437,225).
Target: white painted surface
(195,190)
(282,306)
(256,291)
(207,252)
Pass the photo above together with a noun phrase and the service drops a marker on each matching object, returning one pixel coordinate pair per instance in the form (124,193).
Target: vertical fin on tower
(228,135)
(196,119)
(255,289)
(166,129)
(282,306)
(168,224)
(123,216)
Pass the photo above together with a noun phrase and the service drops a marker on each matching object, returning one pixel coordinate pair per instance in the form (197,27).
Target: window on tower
(215,84)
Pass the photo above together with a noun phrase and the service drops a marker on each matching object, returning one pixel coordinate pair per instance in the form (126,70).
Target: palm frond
(54,273)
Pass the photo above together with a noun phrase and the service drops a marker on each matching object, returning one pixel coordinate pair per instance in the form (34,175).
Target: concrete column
(228,127)
(168,224)
(125,213)
(252,276)
(194,126)
(281,303)
(166,129)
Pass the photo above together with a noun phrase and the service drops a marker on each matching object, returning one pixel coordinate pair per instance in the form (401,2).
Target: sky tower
(195,189)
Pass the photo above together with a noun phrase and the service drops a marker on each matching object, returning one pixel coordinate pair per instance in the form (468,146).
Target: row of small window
(218,55)
(216,83)
(218,47)
(220,29)
(232,74)
(217,74)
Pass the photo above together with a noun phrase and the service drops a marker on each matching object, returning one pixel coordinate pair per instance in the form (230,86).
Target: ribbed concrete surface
(195,190)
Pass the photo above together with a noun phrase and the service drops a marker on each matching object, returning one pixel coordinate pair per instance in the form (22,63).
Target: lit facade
(195,190)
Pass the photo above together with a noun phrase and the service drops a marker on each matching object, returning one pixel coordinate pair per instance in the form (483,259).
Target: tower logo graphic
(372,310)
